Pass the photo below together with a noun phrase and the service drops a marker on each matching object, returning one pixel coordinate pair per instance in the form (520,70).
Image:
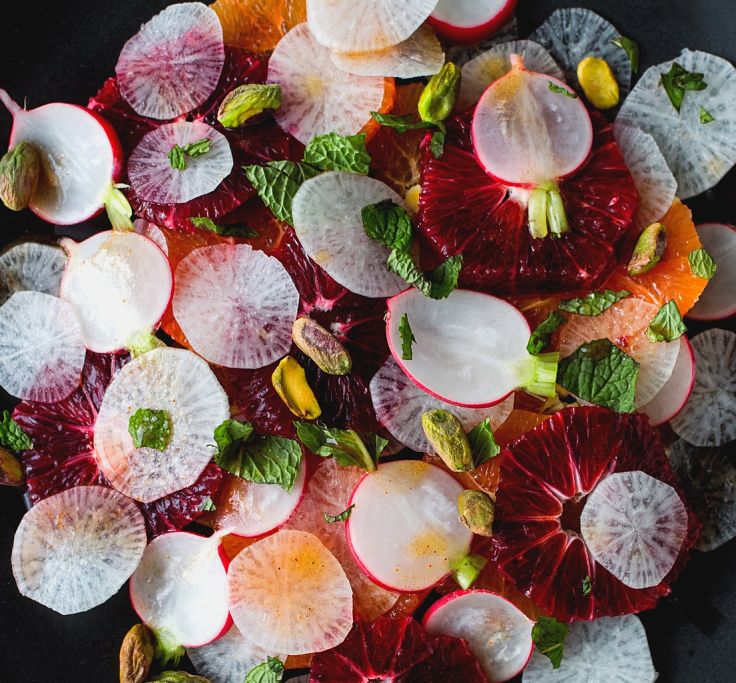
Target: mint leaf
(271,671)
(276,184)
(437,144)
(177,159)
(443,279)
(388,224)
(331,519)
(601,373)
(197,149)
(705,116)
(402,263)
(230,436)
(150,428)
(333,152)
(407,337)
(12,436)
(561,90)
(483,443)
(345,445)
(702,263)
(631,49)
(587,586)
(225,230)
(400,123)
(542,333)
(549,636)
(594,303)
(376,445)
(678,80)
(667,325)
(207,505)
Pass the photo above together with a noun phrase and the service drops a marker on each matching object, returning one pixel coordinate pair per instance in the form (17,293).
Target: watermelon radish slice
(461,53)
(290,594)
(183,385)
(498,634)
(607,649)
(470,21)
(399,405)
(172,65)
(73,551)
(250,290)
(42,349)
(179,589)
(719,298)
(709,416)
(153,232)
(31,266)
(404,530)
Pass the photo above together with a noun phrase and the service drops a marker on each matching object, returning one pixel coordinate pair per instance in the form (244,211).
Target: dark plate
(64,51)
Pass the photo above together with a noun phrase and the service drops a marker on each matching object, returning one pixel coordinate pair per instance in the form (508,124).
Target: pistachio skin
(328,354)
(20,170)
(476,510)
(438,97)
(246,102)
(649,249)
(446,434)
(136,655)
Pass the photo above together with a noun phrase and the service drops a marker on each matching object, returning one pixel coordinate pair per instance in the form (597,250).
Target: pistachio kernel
(476,510)
(247,101)
(321,346)
(598,83)
(446,434)
(136,655)
(11,472)
(649,249)
(178,677)
(438,97)
(20,170)
(290,382)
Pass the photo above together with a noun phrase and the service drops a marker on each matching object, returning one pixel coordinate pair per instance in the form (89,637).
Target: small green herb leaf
(388,223)
(706,116)
(631,49)
(402,263)
(407,337)
(207,505)
(594,303)
(587,586)
(345,445)
(150,428)
(198,148)
(331,519)
(12,436)
(276,184)
(230,436)
(667,325)
(561,90)
(437,144)
(702,263)
(678,80)
(549,636)
(483,443)
(376,445)
(542,333)
(400,123)
(225,230)
(443,279)
(271,671)
(264,460)
(177,159)
(333,152)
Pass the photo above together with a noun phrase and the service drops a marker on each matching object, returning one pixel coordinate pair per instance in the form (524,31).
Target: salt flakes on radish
(469,21)
(251,292)
(74,550)
(719,298)
(31,266)
(153,232)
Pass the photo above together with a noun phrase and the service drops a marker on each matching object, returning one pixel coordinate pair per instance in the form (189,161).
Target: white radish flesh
(470,21)
(461,54)
(719,298)
(31,266)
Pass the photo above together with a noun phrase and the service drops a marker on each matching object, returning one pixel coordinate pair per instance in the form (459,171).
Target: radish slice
(328,222)
(461,54)
(399,405)
(153,177)
(120,283)
(153,232)
(365,25)
(74,550)
(240,285)
(469,21)
(719,298)
(172,65)
(634,526)
(183,385)
(699,154)
(495,63)
(526,133)
(709,416)
(41,348)
(497,633)
(180,587)
(290,594)
(419,55)
(404,530)
(316,97)
(607,649)
(31,266)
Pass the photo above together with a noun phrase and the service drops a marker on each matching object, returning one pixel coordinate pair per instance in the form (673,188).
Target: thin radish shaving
(31,266)
(153,232)
(461,54)
(719,298)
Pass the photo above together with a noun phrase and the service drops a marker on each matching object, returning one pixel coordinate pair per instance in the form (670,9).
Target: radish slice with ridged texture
(251,291)
(470,21)
(709,416)
(327,218)
(41,347)
(404,530)
(718,301)
(120,283)
(153,232)
(31,266)
(180,589)
(607,649)
(461,54)
(290,594)
(316,97)
(634,526)
(171,380)
(74,550)
(698,153)
(172,65)
(399,405)
(497,633)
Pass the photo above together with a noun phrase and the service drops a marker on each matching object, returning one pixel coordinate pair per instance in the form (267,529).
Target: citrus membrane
(31,266)
(719,298)
(469,21)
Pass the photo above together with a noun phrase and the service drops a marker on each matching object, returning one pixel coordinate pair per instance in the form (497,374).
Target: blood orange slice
(258,25)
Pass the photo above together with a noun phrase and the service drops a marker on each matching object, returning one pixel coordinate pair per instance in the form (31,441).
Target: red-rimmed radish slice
(251,291)
(673,396)
(607,649)
(172,65)
(634,526)
(74,550)
(470,21)
(404,530)
(709,416)
(31,266)
(180,383)
(698,153)
(461,53)
(327,218)
(120,284)
(399,405)
(530,129)
(81,158)
(153,232)
(719,298)
(290,594)
(497,633)
(41,348)
(180,589)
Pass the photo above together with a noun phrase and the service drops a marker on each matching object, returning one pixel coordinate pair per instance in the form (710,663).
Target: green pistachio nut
(476,510)
(248,101)
(438,97)
(447,436)
(11,472)
(321,346)
(136,655)
(649,249)
(20,170)
(178,677)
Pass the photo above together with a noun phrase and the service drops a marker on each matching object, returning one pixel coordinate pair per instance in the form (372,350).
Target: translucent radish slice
(719,298)
(290,594)
(153,177)
(251,291)
(74,550)
(31,266)
(153,232)
(709,416)
(365,25)
(607,649)
(495,63)
(399,404)
(327,220)
(461,54)
(316,97)
(469,21)
(172,65)
(120,284)
(497,633)
(180,383)
(41,347)
(180,587)
(699,154)
(634,526)
(404,530)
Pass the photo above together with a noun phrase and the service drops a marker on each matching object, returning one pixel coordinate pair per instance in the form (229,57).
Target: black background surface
(63,51)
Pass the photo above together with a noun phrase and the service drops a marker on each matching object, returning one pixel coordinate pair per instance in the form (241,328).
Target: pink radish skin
(718,301)
(448,21)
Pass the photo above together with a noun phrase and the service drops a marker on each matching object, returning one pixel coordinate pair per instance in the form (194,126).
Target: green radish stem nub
(543,379)
(547,213)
